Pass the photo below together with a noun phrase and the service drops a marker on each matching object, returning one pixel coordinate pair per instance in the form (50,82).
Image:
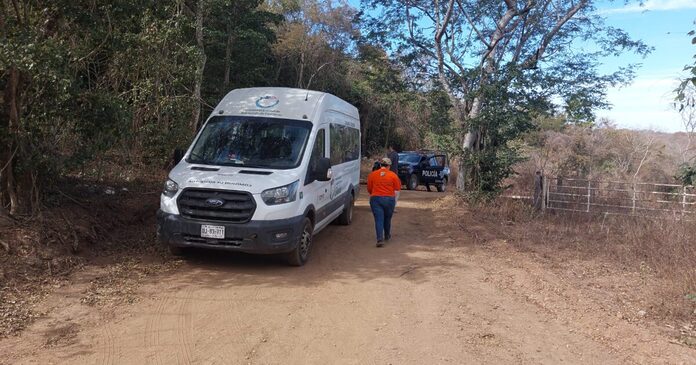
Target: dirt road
(431,296)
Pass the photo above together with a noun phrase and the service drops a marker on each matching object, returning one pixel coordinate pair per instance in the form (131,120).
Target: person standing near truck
(393,156)
(383,185)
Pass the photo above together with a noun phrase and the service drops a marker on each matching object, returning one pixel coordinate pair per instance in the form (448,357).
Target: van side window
(318,151)
(345,144)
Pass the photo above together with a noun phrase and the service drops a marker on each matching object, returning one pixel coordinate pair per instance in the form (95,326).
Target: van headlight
(280,195)
(170,188)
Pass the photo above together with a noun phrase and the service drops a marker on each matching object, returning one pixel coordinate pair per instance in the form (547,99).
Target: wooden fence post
(544,192)
(589,194)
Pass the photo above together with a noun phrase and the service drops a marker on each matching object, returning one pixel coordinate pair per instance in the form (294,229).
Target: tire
(412,183)
(346,218)
(176,250)
(300,254)
(442,187)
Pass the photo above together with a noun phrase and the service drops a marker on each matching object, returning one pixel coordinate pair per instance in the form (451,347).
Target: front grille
(237,207)
(212,241)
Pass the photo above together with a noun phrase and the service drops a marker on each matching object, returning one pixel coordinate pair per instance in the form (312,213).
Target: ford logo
(215,202)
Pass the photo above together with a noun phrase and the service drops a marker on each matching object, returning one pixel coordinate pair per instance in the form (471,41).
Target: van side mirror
(178,155)
(323,169)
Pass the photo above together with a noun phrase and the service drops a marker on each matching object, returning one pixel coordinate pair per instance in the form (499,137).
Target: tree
(686,106)
(532,51)
(313,44)
(239,36)
(82,78)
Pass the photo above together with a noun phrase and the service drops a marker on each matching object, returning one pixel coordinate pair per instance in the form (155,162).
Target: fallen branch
(5,245)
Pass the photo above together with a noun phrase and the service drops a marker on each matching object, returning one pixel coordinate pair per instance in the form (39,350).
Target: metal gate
(616,197)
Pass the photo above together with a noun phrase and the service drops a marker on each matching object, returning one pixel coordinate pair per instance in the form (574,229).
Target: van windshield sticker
(251,111)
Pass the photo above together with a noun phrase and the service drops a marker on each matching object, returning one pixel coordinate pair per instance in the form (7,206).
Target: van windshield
(252,142)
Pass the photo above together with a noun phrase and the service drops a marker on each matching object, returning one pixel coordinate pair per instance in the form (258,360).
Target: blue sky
(663,24)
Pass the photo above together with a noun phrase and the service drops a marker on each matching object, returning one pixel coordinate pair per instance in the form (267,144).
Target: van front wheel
(300,254)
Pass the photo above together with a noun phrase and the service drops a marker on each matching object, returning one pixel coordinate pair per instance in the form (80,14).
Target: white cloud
(645,104)
(652,5)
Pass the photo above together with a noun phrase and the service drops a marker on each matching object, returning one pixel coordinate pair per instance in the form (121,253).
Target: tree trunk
(200,67)
(228,56)
(470,142)
(9,154)
(300,75)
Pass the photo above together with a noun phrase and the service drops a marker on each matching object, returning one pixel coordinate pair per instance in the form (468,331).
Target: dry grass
(660,250)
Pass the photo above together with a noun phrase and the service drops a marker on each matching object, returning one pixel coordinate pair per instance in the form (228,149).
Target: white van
(269,169)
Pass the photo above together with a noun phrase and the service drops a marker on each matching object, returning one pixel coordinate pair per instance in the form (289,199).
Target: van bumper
(256,237)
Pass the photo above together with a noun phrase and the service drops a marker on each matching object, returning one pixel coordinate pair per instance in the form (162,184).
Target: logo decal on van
(268,101)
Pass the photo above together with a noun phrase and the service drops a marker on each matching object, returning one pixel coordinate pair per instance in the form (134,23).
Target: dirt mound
(82,223)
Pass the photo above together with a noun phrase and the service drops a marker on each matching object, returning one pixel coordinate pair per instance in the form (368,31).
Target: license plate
(212,231)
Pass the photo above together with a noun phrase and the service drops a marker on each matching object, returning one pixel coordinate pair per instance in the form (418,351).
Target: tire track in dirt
(236,324)
(109,348)
(153,331)
(183,327)
(427,297)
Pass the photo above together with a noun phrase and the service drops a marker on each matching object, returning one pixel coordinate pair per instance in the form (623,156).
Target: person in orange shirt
(382,185)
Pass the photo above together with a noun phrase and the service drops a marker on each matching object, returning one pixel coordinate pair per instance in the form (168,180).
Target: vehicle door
(432,169)
(344,153)
(317,192)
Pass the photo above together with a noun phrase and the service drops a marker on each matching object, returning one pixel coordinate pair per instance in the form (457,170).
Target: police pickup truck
(424,167)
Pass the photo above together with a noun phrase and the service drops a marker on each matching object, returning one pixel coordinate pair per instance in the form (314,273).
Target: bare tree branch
(534,59)
(473,26)
(645,156)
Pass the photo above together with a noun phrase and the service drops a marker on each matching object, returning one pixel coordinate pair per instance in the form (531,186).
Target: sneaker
(380,243)
(387,238)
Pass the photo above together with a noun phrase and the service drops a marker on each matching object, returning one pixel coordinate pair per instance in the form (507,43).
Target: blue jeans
(382,209)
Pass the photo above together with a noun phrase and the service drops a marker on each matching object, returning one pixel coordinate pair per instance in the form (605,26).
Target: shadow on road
(339,252)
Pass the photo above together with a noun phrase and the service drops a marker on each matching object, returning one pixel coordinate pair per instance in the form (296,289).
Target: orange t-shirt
(383,182)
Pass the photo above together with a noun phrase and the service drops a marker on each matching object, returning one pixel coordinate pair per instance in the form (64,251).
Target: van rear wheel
(300,254)
(346,218)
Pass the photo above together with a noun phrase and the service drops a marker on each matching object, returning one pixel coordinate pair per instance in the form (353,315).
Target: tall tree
(686,106)
(239,40)
(201,10)
(316,38)
(532,51)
